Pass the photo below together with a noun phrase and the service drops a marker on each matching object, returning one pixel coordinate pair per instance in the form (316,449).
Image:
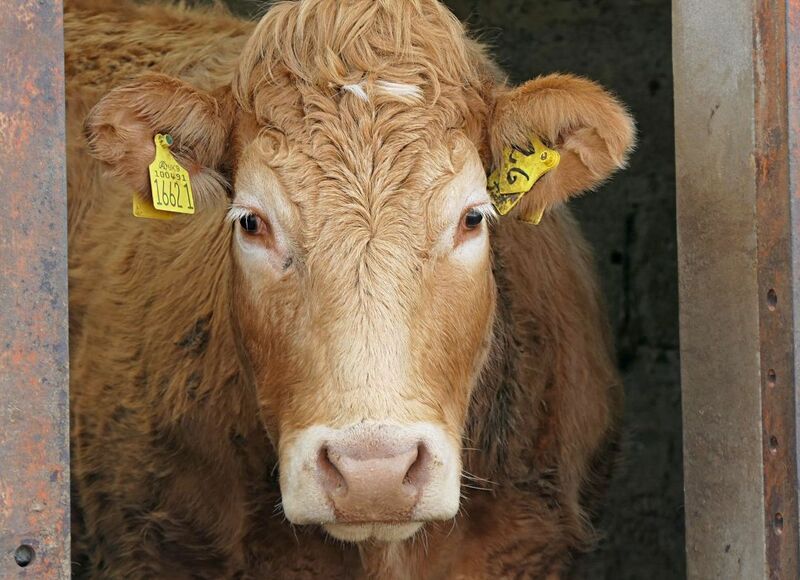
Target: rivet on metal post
(24,555)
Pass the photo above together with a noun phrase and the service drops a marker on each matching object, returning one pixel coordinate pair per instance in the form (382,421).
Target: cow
(345,363)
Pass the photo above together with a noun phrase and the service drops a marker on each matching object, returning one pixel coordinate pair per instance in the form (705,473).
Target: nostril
(332,478)
(417,473)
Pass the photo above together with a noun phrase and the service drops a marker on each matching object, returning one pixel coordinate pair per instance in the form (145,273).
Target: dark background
(625,45)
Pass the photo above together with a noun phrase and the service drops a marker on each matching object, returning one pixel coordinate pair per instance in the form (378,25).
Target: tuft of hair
(405,48)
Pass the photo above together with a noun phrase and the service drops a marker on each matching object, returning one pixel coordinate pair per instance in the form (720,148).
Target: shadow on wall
(630,222)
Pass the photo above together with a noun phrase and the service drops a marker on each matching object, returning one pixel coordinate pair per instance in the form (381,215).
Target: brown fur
(175,429)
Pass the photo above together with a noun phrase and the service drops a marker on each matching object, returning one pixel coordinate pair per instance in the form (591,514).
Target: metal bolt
(24,555)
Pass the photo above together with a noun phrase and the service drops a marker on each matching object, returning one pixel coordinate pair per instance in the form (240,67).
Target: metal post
(34,402)
(778,284)
(736,105)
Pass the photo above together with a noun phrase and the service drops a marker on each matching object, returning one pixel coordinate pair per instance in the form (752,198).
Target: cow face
(365,298)
(362,287)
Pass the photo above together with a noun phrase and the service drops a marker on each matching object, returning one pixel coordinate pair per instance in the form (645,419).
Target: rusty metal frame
(738,165)
(776,99)
(34,402)
(737,127)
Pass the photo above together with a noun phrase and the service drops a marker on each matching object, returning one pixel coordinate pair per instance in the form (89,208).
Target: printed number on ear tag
(520,171)
(169,182)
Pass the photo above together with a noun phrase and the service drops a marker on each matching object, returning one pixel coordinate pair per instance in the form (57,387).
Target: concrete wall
(624,44)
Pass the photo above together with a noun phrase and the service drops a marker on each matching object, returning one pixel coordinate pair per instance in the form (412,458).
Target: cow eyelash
(237,212)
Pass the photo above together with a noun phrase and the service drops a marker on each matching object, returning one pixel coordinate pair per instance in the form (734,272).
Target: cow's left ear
(591,130)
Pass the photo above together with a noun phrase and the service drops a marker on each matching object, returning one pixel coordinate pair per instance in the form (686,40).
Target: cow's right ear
(120,130)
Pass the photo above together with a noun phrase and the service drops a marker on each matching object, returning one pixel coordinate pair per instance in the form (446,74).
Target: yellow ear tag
(143,208)
(169,182)
(520,171)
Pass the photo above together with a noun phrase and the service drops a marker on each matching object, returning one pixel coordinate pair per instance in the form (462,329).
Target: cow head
(356,138)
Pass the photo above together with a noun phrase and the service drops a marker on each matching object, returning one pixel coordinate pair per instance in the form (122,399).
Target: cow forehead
(360,164)
(361,100)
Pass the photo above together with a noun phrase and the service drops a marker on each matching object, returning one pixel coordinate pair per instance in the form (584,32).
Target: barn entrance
(704,218)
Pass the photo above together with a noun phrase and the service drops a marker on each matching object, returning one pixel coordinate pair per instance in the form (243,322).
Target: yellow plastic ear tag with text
(169,182)
(520,171)
(143,208)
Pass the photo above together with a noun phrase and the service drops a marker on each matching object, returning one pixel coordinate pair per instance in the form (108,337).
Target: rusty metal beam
(737,128)
(34,402)
(779,287)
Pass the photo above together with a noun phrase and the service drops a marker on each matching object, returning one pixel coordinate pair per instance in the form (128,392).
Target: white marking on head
(399,91)
(403,91)
(357,90)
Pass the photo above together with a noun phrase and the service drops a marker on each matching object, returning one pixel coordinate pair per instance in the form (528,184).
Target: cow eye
(472,219)
(250,223)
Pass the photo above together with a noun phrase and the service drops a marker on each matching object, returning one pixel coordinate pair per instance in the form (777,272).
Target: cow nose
(369,481)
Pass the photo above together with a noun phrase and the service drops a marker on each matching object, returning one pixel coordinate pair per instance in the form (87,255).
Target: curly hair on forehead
(411,46)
